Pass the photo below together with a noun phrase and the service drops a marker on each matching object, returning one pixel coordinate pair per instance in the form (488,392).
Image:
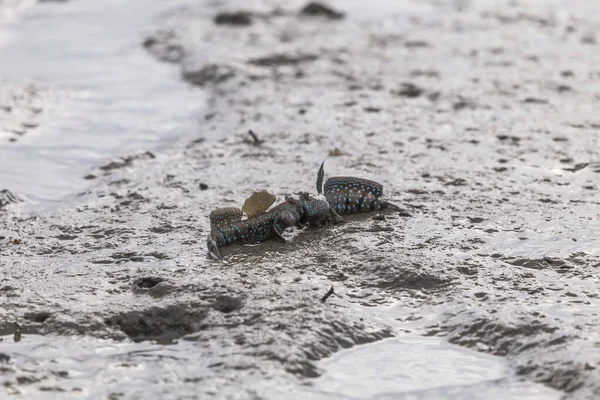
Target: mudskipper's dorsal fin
(320,176)
(223,216)
(258,203)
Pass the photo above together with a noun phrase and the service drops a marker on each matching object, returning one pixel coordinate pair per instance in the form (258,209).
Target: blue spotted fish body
(317,211)
(228,229)
(256,229)
(347,195)
(341,195)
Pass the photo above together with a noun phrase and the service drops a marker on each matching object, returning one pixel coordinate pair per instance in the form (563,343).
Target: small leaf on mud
(336,152)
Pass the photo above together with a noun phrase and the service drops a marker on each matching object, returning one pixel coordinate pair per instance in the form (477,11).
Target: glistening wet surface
(422,368)
(95,94)
(400,368)
(480,121)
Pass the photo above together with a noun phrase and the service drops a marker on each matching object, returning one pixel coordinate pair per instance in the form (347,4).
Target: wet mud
(21,106)
(479,120)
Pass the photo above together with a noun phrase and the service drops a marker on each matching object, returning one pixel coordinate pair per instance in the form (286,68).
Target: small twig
(256,141)
(17,335)
(329,293)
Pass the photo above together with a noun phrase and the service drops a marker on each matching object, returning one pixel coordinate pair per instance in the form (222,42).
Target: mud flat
(480,121)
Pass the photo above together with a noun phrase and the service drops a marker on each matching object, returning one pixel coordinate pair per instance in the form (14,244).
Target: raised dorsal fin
(223,216)
(320,176)
(258,203)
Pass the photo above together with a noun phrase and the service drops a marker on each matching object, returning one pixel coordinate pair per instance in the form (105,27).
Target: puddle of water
(412,366)
(108,95)
(405,365)
(84,367)
(422,368)
(402,368)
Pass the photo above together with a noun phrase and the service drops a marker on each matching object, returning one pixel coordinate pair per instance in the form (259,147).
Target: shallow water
(422,368)
(95,368)
(104,95)
(408,367)
(412,366)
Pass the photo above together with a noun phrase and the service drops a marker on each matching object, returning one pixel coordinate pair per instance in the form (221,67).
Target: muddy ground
(479,119)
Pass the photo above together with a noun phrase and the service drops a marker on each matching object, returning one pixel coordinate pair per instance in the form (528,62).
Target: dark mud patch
(236,18)
(409,90)
(158,287)
(501,339)
(415,279)
(127,161)
(21,108)
(535,342)
(39,317)
(566,376)
(162,45)
(162,324)
(209,74)
(227,304)
(277,60)
(315,9)
(147,282)
(129,256)
(7,198)
(344,337)
(543,263)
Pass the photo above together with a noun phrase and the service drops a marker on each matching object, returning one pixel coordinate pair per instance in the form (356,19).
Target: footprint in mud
(40,316)
(167,324)
(147,282)
(163,324)
(227,304)
(154,286)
